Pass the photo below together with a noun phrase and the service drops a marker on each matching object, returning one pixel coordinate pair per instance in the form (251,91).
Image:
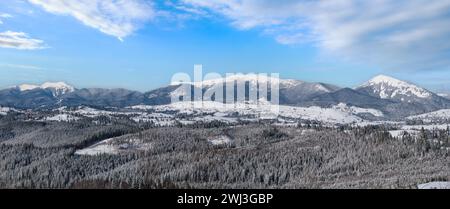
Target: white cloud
(388,33)
(4,16)
(118,18)
(19,40)
(22,67)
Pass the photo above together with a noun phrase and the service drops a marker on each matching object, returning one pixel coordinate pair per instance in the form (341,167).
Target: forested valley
(42,154)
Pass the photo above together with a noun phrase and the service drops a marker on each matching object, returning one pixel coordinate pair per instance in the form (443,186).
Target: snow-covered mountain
(57,88)
(292,92)
(339,114)
(392,97)
(102,97)
(410,98)
(50,95)
(253,79)
(386,87)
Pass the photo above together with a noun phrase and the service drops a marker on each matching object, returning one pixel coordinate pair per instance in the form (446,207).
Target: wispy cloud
(19,40)
(4,16)
(388,33)
(22,67)
(118,18)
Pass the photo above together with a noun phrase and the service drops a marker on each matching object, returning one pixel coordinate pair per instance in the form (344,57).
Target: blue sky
(140,44)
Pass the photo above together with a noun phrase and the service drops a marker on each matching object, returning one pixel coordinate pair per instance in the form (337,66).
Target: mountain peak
(387,87)
(27,87)
(252,78)
(57,87)
(384,79)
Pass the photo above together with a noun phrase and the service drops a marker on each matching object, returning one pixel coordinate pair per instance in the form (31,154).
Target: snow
(87,111)
(436,115)
(83,111)
(180,91)
(251,77)
(357,110)
(435,185)
(141,107)
(391,87)
(328,115)
(91,112)
(159,121)
(401,133)
(221,140)
(320,87)
(103,147)
(114,146)
(98,150)
(59,87)
(6,110)
(262,111)
(135,113)
(443,95)
(27,87)
(426,127)
(377,123)
(62,117)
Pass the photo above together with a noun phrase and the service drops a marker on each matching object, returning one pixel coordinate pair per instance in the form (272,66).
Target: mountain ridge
(392,96)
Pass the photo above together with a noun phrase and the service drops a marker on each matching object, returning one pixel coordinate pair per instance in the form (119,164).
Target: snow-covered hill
(340,114)
(357,110)
(435,185)
(386,87)
(389,97)
(114,146)
(440,115)
(253,79)
(58,88)
(291,91)
(7,110)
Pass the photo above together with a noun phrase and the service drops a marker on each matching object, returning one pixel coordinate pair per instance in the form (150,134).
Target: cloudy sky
(140,44)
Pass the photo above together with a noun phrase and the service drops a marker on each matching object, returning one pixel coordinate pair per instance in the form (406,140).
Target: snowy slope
(439,115)
(251,78)
(220,140)
(58,88)
(435,185)
(357,110)
(445,95)
(114,146)
(7,110)
(265,111)
(62,118)
(386,87)
(27,87)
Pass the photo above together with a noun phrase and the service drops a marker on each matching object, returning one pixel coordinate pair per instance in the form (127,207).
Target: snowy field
(114,146)
(191,112)
(432,116)
(339,114)
(435,185)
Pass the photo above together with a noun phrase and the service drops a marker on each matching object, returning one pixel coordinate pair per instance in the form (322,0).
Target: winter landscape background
(86,97)
(386,133)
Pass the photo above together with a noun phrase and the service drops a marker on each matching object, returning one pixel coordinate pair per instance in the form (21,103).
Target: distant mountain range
(395,98)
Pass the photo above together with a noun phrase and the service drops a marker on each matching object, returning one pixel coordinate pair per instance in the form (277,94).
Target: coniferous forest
(44,154)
